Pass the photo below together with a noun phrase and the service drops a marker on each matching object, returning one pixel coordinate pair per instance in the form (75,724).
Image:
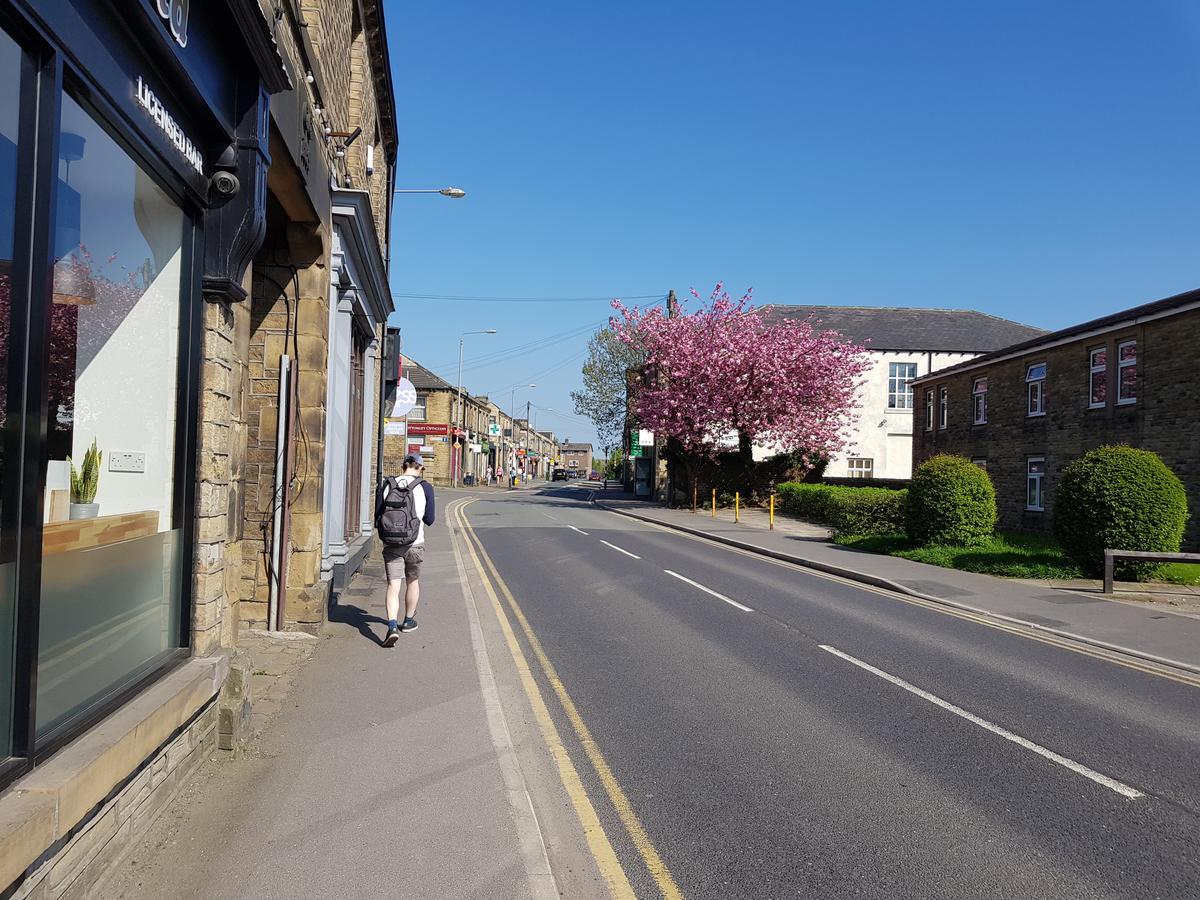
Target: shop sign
(635,444)
(147,99)
(475,448)
(394,427)
(420,448)
(424,428)
(406,398)
(176,14)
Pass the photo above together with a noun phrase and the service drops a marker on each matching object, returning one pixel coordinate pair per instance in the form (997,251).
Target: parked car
(559,475)
(593,476)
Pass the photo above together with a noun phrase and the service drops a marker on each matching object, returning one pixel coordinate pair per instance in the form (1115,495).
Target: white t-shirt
(418,504)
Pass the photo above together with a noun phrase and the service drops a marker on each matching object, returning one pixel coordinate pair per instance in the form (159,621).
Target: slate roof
(577,448)
(423,379)
(909,328)
(1122,319)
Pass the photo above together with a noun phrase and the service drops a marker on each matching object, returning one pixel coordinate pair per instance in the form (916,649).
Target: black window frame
(49,72)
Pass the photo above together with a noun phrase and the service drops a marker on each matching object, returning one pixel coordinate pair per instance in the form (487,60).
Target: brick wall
(1163,420)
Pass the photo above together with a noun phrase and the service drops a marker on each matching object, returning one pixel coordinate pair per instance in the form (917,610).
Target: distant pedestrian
(512,476)
(403,507)
(489,476)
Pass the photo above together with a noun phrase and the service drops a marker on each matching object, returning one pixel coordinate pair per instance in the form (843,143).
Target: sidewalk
(1150,632)
(379,776)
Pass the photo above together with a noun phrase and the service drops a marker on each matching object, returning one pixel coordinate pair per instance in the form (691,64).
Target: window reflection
(110,599)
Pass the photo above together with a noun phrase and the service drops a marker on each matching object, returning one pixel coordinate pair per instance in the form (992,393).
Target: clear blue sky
(1033,160)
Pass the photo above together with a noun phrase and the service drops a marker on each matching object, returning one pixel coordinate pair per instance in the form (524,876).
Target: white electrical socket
(124,461)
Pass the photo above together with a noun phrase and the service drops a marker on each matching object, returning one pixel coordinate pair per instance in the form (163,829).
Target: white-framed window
(929,410)
(980,461)
(900,376)
(417,413)
(1097,378)
(1126,372)
(979,400)
(1035,383)
(1035,472)
(861,467)
(943,407)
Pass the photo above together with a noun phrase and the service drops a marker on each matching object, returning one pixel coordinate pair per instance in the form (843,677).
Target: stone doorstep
(43,806)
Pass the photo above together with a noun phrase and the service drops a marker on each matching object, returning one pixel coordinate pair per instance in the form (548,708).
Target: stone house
(577,456)
(238,161)
(1026,411)
(903,343)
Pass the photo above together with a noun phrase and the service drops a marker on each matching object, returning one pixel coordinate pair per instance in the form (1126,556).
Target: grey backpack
(398,522)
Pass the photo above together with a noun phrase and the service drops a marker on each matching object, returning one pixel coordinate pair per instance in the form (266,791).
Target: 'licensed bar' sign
(147,99)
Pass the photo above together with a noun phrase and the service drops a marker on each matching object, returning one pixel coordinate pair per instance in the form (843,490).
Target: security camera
(224,185)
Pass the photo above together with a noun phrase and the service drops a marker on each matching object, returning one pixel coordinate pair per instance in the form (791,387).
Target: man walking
(403,507)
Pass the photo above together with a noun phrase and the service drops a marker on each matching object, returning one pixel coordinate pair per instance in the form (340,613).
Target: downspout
(277,542)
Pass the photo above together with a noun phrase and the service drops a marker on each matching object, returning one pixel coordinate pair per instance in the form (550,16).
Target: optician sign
(147,99)
(423,428)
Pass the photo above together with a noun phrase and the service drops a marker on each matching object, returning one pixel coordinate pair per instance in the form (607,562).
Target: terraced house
(194,211)
(1026,411)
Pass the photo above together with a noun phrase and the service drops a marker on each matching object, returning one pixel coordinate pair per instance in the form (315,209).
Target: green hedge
(1119,498)
(950,501)
(848,510)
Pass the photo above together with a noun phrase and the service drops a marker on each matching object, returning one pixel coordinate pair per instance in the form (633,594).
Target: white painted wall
(881,434)
(126,378)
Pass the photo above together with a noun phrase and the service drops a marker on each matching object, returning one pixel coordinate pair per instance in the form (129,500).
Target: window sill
(43,807)
(984,422)
(1035,509)
(1040,415)
(1126,403)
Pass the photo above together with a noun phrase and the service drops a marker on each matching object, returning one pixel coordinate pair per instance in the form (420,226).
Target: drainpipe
(277,536)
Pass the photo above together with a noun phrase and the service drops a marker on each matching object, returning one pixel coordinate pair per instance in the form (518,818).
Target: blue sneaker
(409,624)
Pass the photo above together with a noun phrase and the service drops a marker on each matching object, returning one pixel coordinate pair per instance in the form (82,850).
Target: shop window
(1097,378)
(1035,473)
(1035,383)
(1126,372)
(861,468)
(112,581)
(979,400)
(900,376)
(10,73)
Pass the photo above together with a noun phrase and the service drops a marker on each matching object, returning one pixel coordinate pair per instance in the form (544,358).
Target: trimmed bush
(950,501)
(848,510)
(1119,498)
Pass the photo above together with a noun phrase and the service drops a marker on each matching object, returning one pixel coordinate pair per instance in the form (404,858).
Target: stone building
(1026,411)
(902,343)
(238,166)
(577,456)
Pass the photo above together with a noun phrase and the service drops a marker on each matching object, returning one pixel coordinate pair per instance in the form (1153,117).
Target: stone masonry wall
(281,323)
(91,855)
(1163,420)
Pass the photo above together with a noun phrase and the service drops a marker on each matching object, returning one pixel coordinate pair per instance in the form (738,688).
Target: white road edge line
(580,530)
(618,549)
(1078,768)
(696,584)
(534,857)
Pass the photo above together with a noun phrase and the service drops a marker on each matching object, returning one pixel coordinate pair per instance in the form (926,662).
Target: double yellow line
(597,839)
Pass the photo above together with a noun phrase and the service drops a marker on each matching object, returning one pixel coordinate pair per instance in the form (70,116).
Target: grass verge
(1006,555)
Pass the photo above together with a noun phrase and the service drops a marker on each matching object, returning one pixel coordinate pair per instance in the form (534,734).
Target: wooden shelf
(80,534)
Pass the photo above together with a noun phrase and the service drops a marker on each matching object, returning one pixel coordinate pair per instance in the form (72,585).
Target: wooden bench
(1111,557)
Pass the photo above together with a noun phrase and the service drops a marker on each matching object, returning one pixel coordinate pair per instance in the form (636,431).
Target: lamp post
(452,192)
(462,413)
(512,418)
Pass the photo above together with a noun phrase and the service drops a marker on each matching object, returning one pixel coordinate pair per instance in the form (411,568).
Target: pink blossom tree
(725,368)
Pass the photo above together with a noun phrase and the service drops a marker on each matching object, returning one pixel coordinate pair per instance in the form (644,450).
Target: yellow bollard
(737,506)
(772,512)
(714,503)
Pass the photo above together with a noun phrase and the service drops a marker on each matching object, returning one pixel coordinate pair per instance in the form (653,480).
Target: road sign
(635,444)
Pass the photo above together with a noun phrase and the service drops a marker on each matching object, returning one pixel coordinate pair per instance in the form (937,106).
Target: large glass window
(900,376)
(10,75)
(111,550)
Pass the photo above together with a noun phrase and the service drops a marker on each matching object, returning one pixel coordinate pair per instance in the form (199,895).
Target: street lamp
(462,413)
(452,192)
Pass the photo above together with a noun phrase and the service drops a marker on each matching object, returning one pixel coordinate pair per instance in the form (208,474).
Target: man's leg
(393,598)
(412,593)
(393,565)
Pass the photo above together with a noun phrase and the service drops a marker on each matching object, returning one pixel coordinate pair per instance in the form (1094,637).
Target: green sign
(635,444)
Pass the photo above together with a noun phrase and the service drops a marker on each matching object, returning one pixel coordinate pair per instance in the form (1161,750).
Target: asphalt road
(827,740)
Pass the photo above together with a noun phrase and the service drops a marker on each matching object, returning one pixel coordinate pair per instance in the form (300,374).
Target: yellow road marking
(637,833)
(1053,640)
(597,839)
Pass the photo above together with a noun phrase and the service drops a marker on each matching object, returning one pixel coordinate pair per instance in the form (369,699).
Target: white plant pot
(85,510)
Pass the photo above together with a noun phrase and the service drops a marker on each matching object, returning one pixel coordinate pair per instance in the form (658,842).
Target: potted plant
(84,482)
